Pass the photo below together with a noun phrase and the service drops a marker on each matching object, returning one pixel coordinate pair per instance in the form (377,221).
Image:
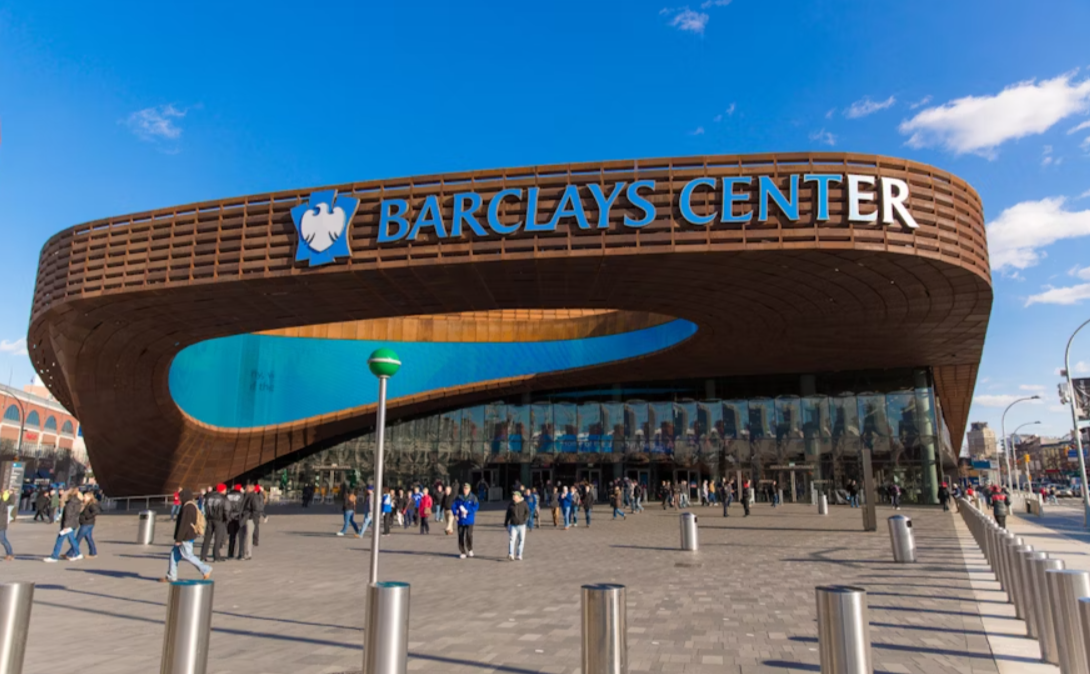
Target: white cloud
(1066,295)
(829,115)
(1036,388)
(979,124)
(1047,156)
(1082,367)
(730,110)
(999,400)
(1015,237)
(823,137)
(686,19)
(156,123)
(1084,195)
(717,118)
(865,106)
(16,347)
(698,131)
(714,3)
(920,103)
(1080,127)
(1079,272)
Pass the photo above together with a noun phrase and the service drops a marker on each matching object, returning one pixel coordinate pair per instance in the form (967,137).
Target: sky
(150,105)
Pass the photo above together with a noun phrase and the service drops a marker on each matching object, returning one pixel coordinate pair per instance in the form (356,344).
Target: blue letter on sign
(494,213)
(429,216)
(604,204)
(823,181)
(634,198)
(532,225)
(768,189)
(729,197)
(462,212)
(570,206)
(685,202)
(396,216)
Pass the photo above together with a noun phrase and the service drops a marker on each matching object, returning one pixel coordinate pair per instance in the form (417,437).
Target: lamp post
(1006,440)
(384,364)
(1075,424)
(1014,433)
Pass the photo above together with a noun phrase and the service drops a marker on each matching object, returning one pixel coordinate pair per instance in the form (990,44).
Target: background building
(982,443)
(52,446)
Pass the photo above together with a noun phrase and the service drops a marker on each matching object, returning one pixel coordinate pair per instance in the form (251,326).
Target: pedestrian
(639,495)
(215,515)
(747,497)
(725,497)
(853,494)
(424,510)
(41,506)
(448,510)
(365,509)
(234,522)
(387,511)
(54,505)
(6,499)
(175,505)
(87,516)
(465,508)
(259,511)
(518,514)
(565,506)
(895,495)
(189,525)
(553,503)
(250,517)
(944,497)
(348,510)
(617,501)
(587,498)
(69,524)
(438,492)
(1000,510)
(774,493)
(531,503)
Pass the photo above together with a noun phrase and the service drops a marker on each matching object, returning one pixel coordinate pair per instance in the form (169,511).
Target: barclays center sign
(322,222)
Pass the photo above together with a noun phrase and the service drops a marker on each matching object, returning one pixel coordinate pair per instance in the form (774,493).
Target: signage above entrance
(470,214)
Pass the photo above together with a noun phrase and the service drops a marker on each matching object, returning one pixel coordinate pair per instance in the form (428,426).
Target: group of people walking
(78,515)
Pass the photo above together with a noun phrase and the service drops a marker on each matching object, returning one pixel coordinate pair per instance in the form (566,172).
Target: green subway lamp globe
(384,363)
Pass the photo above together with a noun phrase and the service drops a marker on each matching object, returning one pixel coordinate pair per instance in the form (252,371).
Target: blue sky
(155,104)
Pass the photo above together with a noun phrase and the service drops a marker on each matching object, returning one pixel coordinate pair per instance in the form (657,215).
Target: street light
(384,364)
(1006,443)
(1075,424)
(1028,423)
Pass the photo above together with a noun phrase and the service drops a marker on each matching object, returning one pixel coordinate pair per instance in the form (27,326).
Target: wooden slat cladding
(117,298)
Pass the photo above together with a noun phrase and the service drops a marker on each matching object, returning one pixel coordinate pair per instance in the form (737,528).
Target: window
(66,429)
(33,420)
(51,424)
(12,414)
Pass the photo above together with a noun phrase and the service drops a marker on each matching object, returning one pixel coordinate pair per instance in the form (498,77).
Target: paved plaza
(743,604)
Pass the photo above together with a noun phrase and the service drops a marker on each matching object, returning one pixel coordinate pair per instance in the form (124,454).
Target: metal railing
(137,502)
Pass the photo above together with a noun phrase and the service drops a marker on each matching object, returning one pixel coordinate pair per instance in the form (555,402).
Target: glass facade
(798,441)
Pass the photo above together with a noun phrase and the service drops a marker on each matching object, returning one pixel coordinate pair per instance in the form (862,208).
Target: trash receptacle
(823,505)
(146,533)
(688,532)
(901,538)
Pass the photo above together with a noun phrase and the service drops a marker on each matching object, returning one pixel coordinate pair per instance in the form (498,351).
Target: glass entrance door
(539,476)
(639,475)
(594,476)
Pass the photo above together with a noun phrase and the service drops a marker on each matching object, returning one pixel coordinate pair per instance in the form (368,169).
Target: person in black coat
(87,518)
(185,531)
(215,515)
(69,524)
(234,521)
(41,507)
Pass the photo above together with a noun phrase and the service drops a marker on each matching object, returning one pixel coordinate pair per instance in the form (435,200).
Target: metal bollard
(1046,631)
(843,630)
(1065,588)
(1018,589)
(16,600)
(823,505)
(386,634)
(689,534)
(1029,601)
(189,624)
(901,538)
(145,534)
(605,629)
(1084,625)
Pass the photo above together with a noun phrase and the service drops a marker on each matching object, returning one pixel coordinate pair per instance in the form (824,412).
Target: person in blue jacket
(531,502)
(566,506)
(465,509)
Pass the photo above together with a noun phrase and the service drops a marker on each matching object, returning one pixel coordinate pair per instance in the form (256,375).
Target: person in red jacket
(176,505)
(424,509)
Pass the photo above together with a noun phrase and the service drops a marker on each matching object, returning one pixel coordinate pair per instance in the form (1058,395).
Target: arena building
(774,316)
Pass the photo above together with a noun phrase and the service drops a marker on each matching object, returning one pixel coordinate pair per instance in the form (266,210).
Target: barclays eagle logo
(322,226)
